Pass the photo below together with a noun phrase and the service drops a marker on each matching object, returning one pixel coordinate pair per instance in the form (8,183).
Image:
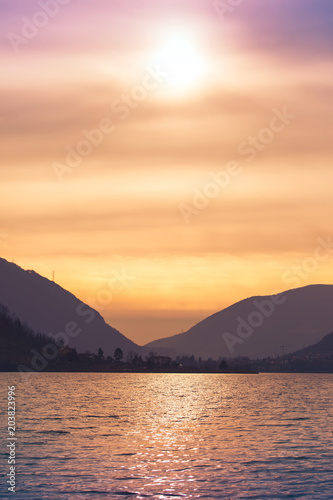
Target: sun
(180,61)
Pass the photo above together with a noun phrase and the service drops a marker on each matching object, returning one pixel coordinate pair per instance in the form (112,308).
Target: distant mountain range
(258,327)
(49,309)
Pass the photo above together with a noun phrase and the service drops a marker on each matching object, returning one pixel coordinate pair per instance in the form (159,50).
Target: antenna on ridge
(53,276)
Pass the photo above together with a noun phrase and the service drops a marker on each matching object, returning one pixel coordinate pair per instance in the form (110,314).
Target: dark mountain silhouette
(258,327)
(325,346)
(17,341)
(49,309)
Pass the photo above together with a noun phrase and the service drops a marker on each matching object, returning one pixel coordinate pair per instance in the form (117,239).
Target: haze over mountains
(48,308)
(259,326)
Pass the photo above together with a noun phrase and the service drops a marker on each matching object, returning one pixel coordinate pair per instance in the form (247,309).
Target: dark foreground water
(169,436)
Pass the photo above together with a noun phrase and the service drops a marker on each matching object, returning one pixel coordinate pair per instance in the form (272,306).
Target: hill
(324,347)
(51,310)
(16,341)
(258,327)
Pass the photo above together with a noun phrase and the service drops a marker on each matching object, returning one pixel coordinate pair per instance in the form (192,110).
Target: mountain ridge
(257,326)
(52,310)
(324,346)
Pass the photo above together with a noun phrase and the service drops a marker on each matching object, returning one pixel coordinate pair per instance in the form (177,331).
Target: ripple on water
(174,436)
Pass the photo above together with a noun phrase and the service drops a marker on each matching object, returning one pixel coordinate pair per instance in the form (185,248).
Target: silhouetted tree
(118,354)
(223,365)
(73,356)
(100,354)
(150,363)
(130,356)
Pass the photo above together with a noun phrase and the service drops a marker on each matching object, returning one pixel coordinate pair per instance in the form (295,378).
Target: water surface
(169,436)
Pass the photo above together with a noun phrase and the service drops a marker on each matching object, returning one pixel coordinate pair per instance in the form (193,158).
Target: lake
(168,436)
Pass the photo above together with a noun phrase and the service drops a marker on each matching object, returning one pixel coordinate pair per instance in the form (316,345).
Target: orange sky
(210,177)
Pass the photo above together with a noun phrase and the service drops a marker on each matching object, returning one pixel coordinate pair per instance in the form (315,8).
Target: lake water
(169,436)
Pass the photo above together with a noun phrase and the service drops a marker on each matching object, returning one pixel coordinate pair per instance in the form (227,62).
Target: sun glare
(180,61)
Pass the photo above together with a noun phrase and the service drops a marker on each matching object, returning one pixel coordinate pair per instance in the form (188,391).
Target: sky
(166,159)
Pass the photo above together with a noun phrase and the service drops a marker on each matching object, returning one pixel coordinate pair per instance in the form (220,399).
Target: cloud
(121,204)
(299,30)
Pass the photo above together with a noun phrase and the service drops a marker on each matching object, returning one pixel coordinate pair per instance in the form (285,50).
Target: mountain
(324,347)
(17,342)
(49,309)
(258,327)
